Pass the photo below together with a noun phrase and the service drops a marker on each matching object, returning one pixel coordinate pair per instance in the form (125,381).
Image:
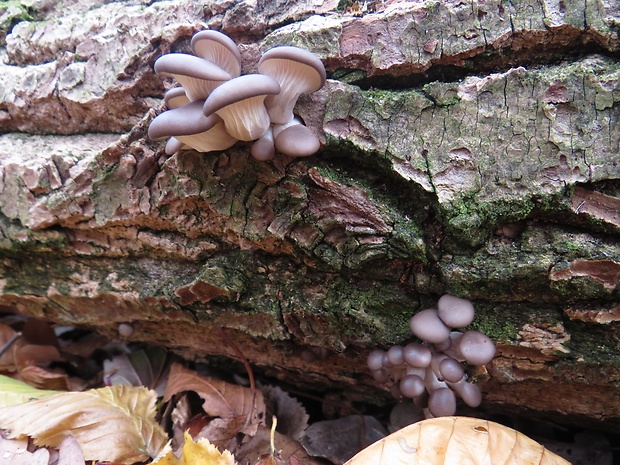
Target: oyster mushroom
(298,71)
(240,103)
(294,139)
(176,97)
(197,76)
(191,127)
(263,149)
(219,49)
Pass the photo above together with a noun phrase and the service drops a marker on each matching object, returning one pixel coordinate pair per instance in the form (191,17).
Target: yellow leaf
(197,453)
(456,440)
(115,423)
(14,392)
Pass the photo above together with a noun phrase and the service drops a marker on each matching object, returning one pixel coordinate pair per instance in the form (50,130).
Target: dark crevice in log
(537,54)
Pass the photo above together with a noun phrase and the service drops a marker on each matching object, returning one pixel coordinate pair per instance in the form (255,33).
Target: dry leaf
(291,414)
(456,440)
(147,367)
(197,453)
(14,392)
(70,452)
(221,399)
(15,452)
(113,423)
(339,440)
(257,451)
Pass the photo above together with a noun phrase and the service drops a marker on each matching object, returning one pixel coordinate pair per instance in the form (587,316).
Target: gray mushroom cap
(182,121)
(454,311)
(428,326)
(197,76)
(296,140)
(176,97)
(240,103)
(298,71)
(189,126)
(219,49)
(476,348)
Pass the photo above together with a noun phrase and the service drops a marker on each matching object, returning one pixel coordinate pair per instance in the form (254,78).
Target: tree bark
(467,147)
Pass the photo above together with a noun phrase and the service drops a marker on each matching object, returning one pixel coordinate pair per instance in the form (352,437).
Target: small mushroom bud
(375,360)
(380,376)
(125,330)
(476,348)
(412,386)
(442,403)
(455,312)
(395,355)
(451,370)
(417,355)
(428,326)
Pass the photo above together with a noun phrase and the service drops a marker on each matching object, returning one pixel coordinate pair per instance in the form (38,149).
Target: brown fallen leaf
(339,440)
(7,336)
(291,414)
(115,423)
(288,451)
(456,440)
(220,399)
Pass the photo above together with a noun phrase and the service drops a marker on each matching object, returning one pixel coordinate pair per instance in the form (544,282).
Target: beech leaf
(14,392)
(221,399)
(197,453)
(115,423)
(462,440)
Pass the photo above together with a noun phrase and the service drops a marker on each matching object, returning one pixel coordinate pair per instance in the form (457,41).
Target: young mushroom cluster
(215,106)
(431,372)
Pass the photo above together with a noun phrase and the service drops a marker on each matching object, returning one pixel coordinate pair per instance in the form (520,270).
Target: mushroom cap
(417,355)
(297,141)
(182,121)
(454,311)
(411,386)
(451,370)
(176,97)
(240,103)
(238,89)
(298,71)
(197,76)
(469,392)
(428,326)
(219,49)
(375,360)
(173,145)
(476,348)
(263,149)
(395,355)
(442,403)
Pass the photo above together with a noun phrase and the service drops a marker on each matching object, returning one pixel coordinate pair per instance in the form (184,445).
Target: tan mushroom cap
(298,71)
(197,76)
(219,49)
(240,103)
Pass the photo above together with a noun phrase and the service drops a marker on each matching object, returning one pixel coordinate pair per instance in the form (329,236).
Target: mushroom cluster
(215,106)
(431,372)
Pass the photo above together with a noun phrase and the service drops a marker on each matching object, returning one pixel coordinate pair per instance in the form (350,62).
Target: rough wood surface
(467,147)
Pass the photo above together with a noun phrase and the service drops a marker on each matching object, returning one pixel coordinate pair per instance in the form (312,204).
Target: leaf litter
(211,421)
